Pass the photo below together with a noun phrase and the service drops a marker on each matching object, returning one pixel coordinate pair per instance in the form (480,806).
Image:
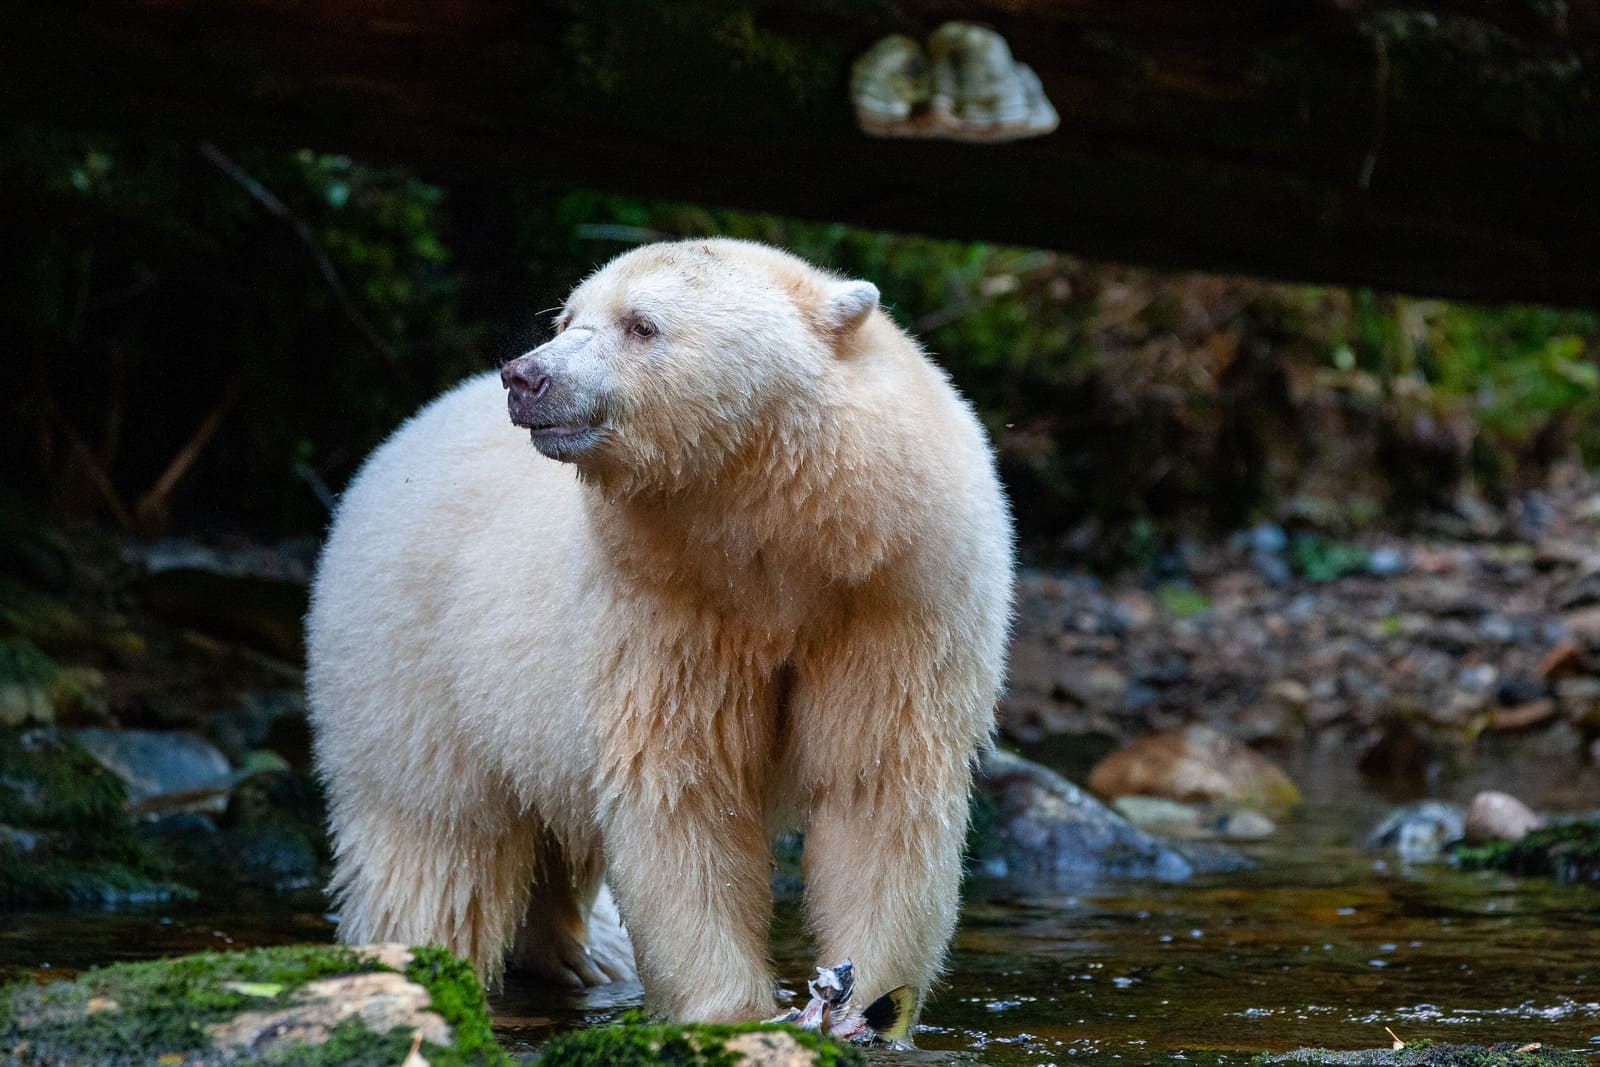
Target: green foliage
(1181,599)
(1322,559)
(1569,852)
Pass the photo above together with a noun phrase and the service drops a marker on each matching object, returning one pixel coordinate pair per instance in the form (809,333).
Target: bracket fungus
(965,86)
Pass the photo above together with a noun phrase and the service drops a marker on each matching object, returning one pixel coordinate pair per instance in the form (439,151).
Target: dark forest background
(205,342)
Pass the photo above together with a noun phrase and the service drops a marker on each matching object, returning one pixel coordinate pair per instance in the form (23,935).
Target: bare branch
(330,274)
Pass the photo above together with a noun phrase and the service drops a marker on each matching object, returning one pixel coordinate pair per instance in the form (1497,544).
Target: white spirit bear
(752,572)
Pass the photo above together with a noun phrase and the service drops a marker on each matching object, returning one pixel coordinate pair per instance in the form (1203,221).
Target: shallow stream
(1319,944)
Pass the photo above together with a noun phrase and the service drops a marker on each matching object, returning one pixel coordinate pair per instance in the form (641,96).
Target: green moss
(49,783)
(457,995)
(633,1041)
(133,1013)
(1569,852)
(85,850)
(161,1007)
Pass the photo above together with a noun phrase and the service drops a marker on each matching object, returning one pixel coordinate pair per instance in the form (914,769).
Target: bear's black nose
(526,381)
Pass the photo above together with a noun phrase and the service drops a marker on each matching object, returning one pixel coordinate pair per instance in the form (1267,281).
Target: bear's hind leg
(571,934)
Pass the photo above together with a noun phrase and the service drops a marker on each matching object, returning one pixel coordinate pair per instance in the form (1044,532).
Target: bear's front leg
(891,729)
(687,853)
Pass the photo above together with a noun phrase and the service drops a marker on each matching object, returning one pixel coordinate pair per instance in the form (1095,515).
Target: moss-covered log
(1448,146)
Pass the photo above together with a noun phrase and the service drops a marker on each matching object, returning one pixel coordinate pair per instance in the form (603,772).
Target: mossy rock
(78,844)
(302,1005)
(1429,1054)
(1569,852)
(635,1042)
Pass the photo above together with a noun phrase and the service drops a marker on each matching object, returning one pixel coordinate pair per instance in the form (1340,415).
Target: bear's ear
(846,305)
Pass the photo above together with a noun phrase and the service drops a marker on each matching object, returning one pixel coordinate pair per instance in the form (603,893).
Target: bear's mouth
(563,440)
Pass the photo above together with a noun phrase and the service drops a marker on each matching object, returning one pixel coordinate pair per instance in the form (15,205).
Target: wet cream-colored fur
(771,591)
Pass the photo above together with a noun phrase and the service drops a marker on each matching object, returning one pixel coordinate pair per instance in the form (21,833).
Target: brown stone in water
(1194,764)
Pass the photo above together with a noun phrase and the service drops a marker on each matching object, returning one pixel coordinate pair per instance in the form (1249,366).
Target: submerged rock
(1032,821)
(1194,764)
(374,1005)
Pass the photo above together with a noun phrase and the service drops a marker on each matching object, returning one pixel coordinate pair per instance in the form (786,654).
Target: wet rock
(1033,822)
(187,769)
(1158,815)
(1494,816)
(374,1005)
(1194,764)
(271,837)
(1245,825)
(1418,832)
(1428,1054)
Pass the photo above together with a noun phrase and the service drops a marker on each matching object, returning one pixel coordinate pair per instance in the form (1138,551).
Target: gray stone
(1246,825)
(1158,814)
(1042,824)
(1418,832)
(153,765)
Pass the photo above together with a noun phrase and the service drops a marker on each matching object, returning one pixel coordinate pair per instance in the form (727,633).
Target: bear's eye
(642,328)
(561,323)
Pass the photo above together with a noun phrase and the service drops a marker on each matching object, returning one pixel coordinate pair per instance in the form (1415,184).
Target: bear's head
(672,358)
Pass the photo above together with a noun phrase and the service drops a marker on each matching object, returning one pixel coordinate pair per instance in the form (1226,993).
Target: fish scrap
(885,1023)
